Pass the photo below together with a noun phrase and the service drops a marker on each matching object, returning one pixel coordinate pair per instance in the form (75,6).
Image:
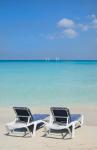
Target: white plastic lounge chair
(25,121)
(61,120)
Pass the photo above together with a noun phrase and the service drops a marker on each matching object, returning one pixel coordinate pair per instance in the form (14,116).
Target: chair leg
(29,132)
(72,130)
(8,130)
(25,133)
(62,135)
(34,129)
(82,119)
(46,131)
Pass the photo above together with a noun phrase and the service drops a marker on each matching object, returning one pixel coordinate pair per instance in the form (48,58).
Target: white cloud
(70,28)
(70,33)
(66,23)
(83,27)
(93,16)
(94,23)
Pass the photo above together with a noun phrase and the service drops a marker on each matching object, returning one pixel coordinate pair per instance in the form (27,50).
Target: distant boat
(57,58)
(47,59)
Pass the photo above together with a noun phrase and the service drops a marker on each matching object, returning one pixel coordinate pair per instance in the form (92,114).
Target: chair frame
(70,126)
(17,124)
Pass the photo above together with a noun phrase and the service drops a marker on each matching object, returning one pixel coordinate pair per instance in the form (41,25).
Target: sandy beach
(48,58)
(85,137)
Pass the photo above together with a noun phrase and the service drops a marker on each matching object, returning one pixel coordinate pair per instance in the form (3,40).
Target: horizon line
(48,59)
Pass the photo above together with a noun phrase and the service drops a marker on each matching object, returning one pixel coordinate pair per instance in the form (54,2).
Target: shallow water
(48,83)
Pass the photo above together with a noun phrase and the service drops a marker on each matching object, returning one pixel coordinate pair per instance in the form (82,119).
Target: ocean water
(48,83)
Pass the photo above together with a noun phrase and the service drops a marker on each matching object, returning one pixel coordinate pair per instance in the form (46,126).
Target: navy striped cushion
(75,117)
(39,116)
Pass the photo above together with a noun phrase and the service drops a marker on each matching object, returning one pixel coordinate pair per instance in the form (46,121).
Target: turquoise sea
(48,83)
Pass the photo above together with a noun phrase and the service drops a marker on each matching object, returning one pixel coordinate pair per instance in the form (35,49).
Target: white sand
(85,137)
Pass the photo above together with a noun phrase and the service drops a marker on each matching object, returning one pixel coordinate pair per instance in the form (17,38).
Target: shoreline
(89,112)
(37,106)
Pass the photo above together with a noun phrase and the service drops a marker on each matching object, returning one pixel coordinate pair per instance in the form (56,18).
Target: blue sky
(39,29)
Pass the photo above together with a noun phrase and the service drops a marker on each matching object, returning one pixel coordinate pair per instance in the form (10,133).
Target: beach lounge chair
(25,121)
(61,120)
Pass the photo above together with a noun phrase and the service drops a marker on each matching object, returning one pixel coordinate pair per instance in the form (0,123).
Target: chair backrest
(23,114)
(60,115)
